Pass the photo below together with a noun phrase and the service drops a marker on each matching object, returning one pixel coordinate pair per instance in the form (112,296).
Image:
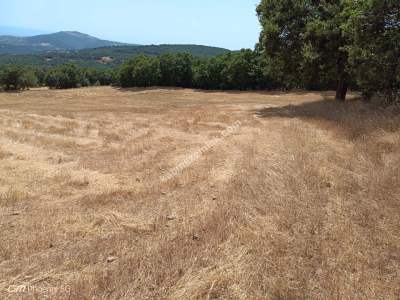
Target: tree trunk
(341,90)
(342,85)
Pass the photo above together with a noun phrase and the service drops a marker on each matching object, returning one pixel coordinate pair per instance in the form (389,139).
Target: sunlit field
(104,194)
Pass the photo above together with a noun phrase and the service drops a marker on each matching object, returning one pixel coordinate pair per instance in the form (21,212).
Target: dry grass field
(302,201)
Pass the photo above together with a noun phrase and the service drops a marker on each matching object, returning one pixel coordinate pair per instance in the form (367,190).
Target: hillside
(63,40)
(105,56)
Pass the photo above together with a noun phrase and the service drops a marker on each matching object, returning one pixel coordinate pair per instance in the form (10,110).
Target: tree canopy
(15,78)
(373,28)
(342,40)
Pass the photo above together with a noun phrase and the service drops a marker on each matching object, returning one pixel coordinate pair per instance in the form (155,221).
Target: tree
(373,26)
(10,76)
(168,76)
(64,77)
(141,71)
(176,70)
(68,76)
(184,70)
(51,79)
(28,79)
(40,74)
(207,73)
(241,70)
(304,38)
(14,77)
(96,77)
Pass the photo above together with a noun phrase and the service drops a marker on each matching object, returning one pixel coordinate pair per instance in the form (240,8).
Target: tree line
(241,70)
(236,70)
(65,76)
(308,44)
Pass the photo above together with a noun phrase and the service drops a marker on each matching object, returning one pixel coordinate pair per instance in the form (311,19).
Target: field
(182,194)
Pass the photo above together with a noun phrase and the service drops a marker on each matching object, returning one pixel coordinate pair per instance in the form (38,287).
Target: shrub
(16,78)
(64,77)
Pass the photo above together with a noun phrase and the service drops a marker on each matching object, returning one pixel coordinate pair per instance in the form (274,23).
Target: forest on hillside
(104,57)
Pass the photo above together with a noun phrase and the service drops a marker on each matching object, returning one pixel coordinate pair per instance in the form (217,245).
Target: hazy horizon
(229,24)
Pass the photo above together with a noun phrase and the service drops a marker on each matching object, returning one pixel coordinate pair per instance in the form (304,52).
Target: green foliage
(373,27)
(63,77)
(91,58)
(176,70)
(10,77)
(237,70)
(97,77)
(142,71)
(321,44)
(28,79)
(305,41)
(208,73)
(241,71)
(51,79)
(17,78)
(283,26)
(40,74)
(70,76)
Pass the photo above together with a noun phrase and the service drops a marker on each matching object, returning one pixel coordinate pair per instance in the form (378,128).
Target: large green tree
(304,39)
(373,28)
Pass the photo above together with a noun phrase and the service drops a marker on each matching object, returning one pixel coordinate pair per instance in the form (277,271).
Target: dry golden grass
(302,202)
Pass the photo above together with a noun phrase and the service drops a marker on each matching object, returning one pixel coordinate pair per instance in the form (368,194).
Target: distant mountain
(105,56)
(63,40)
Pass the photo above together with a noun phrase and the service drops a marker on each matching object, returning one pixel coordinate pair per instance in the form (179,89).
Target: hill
(63,40)
(105,56)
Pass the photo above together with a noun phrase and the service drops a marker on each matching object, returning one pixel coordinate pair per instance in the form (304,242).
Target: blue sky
(231,24)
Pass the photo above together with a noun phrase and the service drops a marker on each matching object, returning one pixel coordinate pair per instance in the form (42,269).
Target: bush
(40,74)
(16,78)
(64,77)
(28,79)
